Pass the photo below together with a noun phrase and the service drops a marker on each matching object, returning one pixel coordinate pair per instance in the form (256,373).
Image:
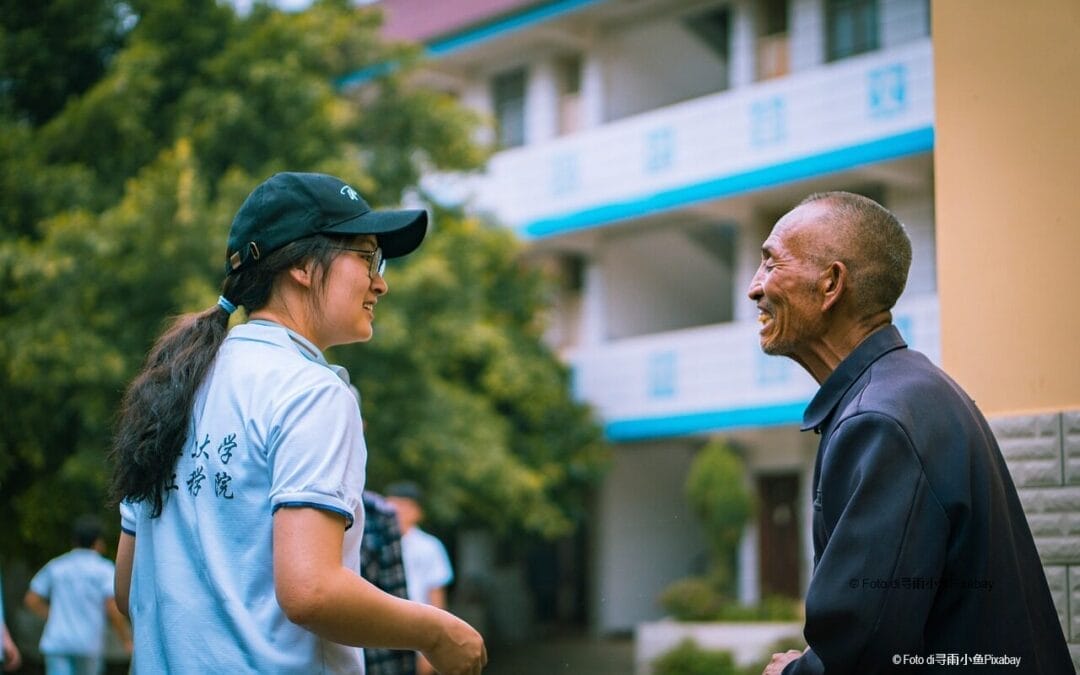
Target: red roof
(421,20)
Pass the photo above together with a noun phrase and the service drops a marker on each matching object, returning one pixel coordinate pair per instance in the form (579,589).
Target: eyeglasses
(376,263)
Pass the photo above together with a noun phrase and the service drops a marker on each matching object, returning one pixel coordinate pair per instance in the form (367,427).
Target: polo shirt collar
(305,348)
(876,345)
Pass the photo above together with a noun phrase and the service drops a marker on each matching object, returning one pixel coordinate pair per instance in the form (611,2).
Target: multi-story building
(646,147)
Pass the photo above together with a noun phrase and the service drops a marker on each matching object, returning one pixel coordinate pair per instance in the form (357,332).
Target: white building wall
(654,64)
(916,211)
(647,535)
(661,281)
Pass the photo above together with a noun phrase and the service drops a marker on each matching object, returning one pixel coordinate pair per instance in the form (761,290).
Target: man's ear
(833,283)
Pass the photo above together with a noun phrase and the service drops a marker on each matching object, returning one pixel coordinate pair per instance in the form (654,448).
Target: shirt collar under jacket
(303,346)
(879,343)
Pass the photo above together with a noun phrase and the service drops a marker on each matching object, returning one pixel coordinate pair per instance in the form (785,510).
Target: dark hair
(872,242)
(86,530)
(155,414)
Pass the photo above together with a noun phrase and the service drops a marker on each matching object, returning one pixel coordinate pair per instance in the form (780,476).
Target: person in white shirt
(74,594)
(427,566)
(239,459)
(10,657)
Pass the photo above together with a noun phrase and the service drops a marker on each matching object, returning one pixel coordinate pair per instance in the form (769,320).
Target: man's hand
(12,658)
(780,661)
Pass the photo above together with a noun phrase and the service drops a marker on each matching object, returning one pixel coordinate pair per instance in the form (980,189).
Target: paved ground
(564,656)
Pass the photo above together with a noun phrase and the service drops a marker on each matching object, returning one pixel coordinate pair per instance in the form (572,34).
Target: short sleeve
(106,580)
(127,518)
(441,571)
(316,452)
(42,582)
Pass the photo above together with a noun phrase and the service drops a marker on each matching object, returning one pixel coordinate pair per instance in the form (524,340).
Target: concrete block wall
(1043,454)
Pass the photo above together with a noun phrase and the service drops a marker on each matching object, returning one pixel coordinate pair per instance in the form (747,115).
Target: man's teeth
(762,318)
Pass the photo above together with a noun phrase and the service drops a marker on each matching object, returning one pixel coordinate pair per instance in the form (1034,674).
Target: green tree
(120,205)
(717,491)
(460,393)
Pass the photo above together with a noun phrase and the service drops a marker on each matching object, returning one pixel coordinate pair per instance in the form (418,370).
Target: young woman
(239,457)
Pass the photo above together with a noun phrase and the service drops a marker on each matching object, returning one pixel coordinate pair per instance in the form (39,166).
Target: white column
(541,103)
(742,44)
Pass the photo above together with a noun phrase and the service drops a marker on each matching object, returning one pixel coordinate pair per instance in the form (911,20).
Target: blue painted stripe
(507,24)
(473,36)
(880,150)
(364,75)
(682,425)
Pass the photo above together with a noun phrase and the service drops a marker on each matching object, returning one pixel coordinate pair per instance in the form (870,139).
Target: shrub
(716,489)
(687,658)
(699,599)
(691,599)
(773,608)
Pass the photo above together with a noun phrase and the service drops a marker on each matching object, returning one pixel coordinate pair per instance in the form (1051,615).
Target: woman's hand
(459,649)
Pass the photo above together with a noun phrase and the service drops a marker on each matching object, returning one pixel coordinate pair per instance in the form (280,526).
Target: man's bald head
(871,243)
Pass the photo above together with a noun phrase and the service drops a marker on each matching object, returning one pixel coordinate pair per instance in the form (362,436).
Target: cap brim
(398,232)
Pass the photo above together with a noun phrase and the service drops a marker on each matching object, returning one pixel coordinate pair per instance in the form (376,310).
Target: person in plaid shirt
(381,564)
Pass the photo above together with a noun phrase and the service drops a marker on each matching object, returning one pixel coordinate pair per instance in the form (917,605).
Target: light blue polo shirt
(77,586)
(273,426)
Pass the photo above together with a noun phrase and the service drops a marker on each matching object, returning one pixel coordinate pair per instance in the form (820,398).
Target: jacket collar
(876,345)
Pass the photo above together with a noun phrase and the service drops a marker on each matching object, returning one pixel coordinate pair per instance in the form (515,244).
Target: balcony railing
(866,109)
(711,378)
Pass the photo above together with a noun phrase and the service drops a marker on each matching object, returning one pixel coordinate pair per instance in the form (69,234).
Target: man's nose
(754,291)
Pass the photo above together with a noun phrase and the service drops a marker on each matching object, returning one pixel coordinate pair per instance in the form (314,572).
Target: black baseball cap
(405,489)
(290,206)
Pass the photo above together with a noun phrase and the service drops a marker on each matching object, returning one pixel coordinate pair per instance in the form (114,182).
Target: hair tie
(226,305)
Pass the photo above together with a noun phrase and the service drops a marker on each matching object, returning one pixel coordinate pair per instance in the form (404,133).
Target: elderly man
(921,548)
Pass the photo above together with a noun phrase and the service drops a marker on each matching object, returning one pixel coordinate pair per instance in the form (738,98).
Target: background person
(909,483)
(10,658)
(73,593)
(427,566)
(382,565)
(239,457)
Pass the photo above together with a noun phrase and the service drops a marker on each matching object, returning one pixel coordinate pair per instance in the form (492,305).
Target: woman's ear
(302,273)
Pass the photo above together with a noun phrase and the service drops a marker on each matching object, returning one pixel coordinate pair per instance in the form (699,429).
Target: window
(568,72)
(508,94)
(852,27)
(772,39)
(713,28)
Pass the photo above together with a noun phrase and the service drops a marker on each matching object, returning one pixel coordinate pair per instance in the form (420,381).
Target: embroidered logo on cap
(350,193)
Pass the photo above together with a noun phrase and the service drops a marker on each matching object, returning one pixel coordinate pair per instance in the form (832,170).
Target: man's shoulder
(900,380)
(419,538)
(906,388)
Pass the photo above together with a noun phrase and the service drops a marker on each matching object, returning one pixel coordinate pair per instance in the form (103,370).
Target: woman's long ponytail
(154,419)
(155,412)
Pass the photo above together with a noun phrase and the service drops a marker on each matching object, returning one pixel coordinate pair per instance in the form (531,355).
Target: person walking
(383,565)
(73,593)
(239,457)
(10,657)
(921,546)
(427,566)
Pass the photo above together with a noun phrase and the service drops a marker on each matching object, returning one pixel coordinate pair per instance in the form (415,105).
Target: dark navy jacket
(921,548)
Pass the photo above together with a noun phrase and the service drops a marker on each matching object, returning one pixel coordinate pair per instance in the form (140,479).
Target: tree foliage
(716,489)
(118,189)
